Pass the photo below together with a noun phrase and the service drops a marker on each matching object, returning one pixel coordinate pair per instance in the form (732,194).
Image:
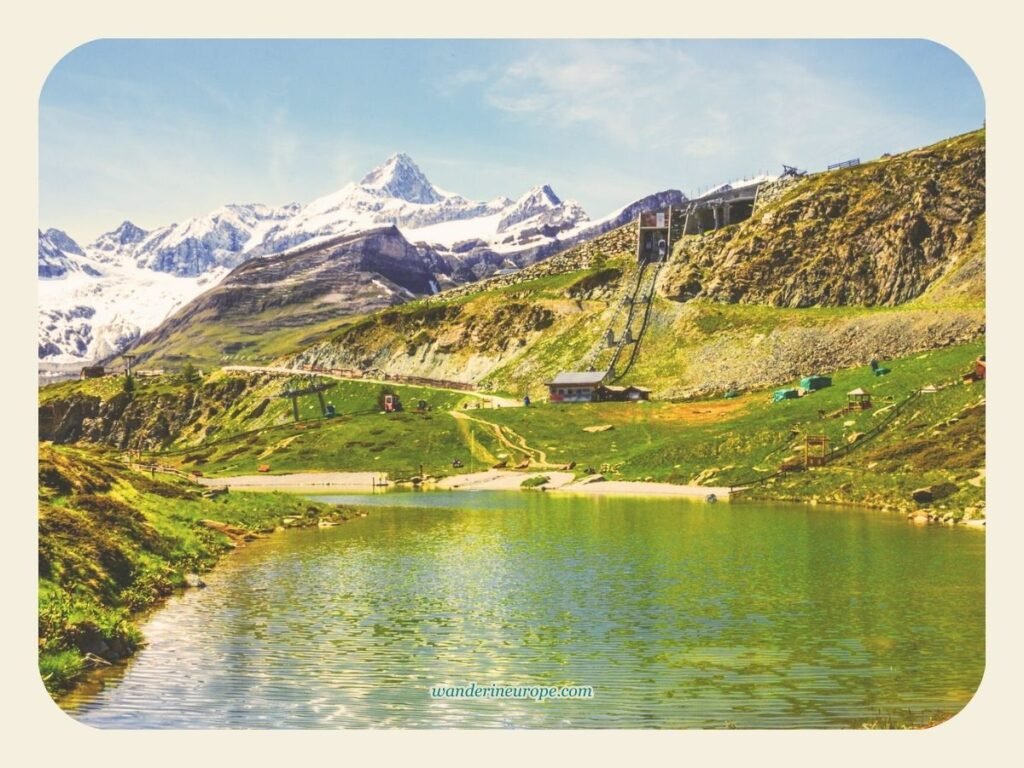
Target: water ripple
(679,615)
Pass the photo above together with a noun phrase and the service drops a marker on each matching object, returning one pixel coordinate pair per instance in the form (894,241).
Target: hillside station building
(588,387)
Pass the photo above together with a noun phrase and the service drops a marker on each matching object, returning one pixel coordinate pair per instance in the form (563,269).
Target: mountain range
(97,299)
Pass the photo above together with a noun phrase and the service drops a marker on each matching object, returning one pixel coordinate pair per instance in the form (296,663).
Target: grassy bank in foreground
(113,542)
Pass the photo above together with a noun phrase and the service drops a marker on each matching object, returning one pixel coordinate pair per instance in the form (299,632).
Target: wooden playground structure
(816,451)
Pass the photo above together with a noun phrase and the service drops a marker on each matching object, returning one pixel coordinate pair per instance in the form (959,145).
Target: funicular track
(624,309)
(636,324)
(630,319)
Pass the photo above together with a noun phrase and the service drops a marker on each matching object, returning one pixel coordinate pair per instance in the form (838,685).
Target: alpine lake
(677,613)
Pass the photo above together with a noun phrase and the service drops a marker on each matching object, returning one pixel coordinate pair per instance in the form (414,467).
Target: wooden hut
(634,392)
(575,386)
(858,400)
(629,393)
(92,372)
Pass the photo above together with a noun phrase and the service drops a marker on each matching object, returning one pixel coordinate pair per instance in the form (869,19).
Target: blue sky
(159,130)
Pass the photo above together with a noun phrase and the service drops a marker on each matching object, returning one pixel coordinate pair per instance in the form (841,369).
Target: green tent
(811,383)
(784,394)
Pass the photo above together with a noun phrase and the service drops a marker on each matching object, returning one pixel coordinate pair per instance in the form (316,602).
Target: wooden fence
(844,164)
(398,378)
(163,469)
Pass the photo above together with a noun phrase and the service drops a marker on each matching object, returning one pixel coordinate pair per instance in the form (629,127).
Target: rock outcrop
(878,234)
(147,422)
(350,275)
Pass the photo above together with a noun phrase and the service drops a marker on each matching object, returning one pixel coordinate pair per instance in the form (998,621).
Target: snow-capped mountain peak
(59,256)
(61,241)
(208,242)
(117,244)
(542,195)
(399,177)
(127,233)
(542,201)
(97,299)
(396,192)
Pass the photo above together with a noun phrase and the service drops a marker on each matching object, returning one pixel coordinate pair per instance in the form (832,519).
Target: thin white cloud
(615,88)
(282,146)
(654,95)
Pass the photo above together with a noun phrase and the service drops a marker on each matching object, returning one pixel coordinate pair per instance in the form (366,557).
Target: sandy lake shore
(299,481)
(563,482)
(500,480)
(637,488)
(490,480)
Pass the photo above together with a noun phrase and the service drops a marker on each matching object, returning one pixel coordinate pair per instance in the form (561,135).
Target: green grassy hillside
(729,442)
(113,542)
(710,441)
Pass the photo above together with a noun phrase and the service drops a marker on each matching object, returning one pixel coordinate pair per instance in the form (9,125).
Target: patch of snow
(450,232)
(84,317)
(738,184)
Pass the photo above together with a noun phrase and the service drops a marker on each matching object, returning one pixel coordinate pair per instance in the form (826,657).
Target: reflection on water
(678,614)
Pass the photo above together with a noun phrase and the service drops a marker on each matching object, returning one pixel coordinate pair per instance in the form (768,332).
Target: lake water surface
(678,614)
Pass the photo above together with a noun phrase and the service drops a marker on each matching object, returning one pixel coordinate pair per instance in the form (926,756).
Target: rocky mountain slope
(473,239)
(879,261)
(59,255)
(350,274)
(151,417)
(878,234)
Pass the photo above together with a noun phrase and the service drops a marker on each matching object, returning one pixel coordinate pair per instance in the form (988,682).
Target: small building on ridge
(588,387)
(632,392)
(575,386)
(92,372)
